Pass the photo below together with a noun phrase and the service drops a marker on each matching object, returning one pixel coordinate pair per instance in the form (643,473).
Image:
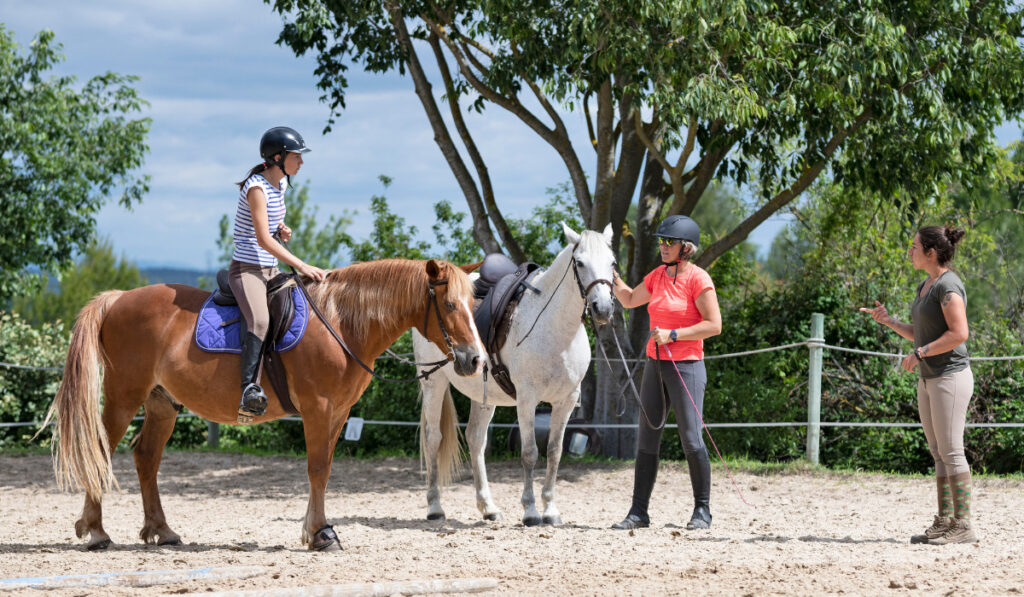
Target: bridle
(579,285)
(450,355)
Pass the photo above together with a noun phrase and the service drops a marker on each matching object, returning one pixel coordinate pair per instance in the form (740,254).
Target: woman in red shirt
(683,310)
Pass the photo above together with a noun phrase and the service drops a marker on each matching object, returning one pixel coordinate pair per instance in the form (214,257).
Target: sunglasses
(668,242)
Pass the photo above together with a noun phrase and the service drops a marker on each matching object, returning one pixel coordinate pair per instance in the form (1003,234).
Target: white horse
(547,353)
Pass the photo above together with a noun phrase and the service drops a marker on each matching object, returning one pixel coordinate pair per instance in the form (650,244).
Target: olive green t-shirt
(930,323)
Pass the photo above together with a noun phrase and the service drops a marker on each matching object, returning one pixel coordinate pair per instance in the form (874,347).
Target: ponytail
(255,170)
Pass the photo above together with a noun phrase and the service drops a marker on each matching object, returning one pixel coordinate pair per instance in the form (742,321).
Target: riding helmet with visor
(679,227)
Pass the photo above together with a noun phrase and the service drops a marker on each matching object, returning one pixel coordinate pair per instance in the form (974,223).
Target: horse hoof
(531,521)
(553,520)
(99,545)
(326,540)
(170,541)
(436,516)
(492,516)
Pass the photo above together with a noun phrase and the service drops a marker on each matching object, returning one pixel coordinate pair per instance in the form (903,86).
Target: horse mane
(387,292)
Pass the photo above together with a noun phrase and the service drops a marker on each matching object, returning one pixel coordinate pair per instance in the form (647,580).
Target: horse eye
(449,305)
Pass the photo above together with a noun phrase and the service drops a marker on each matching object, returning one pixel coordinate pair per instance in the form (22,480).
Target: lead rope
(706,430)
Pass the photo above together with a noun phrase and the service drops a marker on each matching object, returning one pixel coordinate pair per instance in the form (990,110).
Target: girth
(282,310)
(498,291)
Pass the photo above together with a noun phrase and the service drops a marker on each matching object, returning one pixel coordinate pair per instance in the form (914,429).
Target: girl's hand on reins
(284,233)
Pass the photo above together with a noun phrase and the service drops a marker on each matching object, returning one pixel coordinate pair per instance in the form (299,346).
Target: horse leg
(117,415)
(149,448)
(476,439)
(430,442)
(526,410)
(320,442)
(559,418)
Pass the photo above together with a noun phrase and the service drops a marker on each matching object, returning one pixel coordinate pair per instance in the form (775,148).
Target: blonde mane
(387,292)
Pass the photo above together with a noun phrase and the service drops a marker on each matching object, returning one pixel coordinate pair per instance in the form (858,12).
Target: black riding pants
(687,401)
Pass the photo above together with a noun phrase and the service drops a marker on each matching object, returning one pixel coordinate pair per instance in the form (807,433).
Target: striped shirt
(247,249)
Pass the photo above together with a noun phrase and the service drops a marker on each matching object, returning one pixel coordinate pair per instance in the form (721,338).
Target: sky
(215,80)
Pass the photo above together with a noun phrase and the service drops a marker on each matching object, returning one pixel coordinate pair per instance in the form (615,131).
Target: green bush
(25,394)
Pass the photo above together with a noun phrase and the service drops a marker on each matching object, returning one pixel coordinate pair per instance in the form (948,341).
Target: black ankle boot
(254,400)
(701,518)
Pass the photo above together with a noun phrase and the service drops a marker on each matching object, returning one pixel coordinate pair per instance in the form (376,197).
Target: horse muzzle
(468,361)
(602,311)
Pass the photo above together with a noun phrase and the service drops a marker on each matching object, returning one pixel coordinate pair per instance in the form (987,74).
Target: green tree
(96,270)
(65,149)
(390,236)
(768,95)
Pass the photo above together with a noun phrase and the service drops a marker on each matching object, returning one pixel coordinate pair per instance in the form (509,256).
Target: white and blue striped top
(247,249)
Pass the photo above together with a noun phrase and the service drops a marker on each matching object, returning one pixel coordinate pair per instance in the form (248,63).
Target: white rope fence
(816,344)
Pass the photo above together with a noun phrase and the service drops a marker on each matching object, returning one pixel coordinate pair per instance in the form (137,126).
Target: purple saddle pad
(218,328)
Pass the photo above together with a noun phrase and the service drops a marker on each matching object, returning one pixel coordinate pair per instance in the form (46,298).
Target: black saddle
(498,291)
(282,311)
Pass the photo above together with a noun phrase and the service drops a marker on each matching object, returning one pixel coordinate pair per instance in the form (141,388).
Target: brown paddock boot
(935,531)
(959,531)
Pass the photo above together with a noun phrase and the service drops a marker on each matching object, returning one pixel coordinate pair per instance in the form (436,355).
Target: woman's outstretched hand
(879,313)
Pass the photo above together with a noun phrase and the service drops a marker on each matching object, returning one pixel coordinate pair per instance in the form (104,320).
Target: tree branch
(560,143)
(481,230)
(493,212)
(809,174)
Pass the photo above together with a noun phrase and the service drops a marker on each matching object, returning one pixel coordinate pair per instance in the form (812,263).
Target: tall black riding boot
(644,476)
(254,401)
(700,479)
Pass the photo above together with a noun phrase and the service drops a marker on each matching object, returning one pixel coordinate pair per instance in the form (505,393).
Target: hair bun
(954,234)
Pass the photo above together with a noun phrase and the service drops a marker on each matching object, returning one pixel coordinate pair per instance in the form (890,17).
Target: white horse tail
(449,453)
(81,454)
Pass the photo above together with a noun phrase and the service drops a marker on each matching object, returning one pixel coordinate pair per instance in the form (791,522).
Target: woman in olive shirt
(944,390)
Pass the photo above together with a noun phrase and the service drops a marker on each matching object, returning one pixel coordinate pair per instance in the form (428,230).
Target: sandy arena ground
(806,533)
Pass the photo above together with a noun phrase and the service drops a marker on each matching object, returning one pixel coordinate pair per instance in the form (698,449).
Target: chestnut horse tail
(81,455)
(449,453)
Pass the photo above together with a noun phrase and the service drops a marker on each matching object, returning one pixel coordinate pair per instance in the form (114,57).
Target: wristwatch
(673,335)
(917,353)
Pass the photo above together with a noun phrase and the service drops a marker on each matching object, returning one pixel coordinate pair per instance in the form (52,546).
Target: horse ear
(471,267)
(607,233)
(570,235)
(433,269)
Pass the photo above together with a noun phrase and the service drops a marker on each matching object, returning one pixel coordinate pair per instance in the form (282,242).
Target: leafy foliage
(96,270)
(65,149)
(25,394)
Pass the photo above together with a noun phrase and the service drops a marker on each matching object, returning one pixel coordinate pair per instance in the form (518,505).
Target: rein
(423,374)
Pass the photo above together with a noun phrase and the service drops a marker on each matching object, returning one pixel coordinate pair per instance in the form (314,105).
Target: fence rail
(815,345)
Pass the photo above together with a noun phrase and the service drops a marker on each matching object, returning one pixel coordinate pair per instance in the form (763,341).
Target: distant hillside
(168,275)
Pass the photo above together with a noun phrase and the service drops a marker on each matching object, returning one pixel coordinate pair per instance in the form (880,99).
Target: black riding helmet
(279,141)
(680,228)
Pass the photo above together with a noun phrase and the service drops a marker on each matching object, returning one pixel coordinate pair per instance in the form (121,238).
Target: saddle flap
(499,303)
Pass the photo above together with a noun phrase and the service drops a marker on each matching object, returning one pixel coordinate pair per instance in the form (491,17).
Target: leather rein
(450,356)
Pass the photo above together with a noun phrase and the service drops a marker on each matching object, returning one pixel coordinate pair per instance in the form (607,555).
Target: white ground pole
(145,578)
(375,589)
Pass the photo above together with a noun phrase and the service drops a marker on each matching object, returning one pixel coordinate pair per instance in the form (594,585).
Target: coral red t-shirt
(673,305)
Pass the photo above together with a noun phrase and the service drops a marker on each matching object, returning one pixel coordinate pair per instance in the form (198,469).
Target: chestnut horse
(138,345)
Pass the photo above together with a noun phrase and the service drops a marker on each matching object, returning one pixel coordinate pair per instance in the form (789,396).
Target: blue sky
(216,80)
